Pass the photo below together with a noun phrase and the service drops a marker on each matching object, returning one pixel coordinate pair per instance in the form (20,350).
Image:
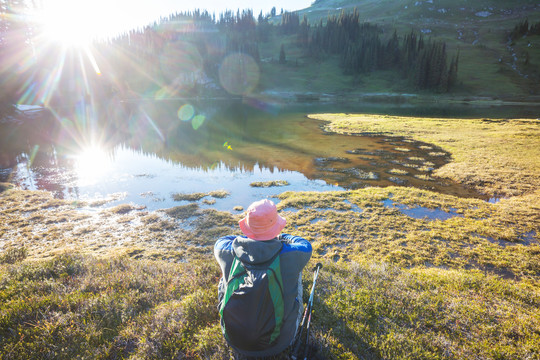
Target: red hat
(262,221)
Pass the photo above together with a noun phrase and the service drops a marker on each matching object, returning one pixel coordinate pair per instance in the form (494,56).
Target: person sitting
(260,291)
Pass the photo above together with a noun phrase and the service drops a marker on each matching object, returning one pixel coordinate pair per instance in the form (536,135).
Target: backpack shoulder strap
(234,281)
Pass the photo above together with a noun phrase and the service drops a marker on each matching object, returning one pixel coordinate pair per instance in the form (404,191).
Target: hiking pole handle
(318,267)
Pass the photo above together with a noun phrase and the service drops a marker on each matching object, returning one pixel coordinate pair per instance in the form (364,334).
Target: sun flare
(68,23)
(91,165)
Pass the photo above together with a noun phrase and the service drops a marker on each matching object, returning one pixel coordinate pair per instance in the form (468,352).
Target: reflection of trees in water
(155,129)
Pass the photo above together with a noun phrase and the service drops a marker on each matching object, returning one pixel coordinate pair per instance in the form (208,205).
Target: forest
(199,54)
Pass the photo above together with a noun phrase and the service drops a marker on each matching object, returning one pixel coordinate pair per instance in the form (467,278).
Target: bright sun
(66,22)
(91,165)
(76,23)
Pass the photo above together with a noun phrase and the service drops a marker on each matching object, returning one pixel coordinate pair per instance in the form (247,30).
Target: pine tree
(282,59)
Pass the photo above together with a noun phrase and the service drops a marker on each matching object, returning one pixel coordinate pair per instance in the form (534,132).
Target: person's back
(263,251)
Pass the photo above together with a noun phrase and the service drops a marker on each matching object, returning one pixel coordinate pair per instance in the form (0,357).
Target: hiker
(269,265)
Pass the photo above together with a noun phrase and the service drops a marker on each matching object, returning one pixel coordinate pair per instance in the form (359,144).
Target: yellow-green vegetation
(269,183)
(74,306)
(46,226)
(498,157)
(220,194)
(358,226)
(397,172)
(77,281)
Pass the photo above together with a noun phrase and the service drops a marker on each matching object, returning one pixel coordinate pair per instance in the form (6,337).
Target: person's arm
(223,244)
(223,252)
(296,242)
(300,246)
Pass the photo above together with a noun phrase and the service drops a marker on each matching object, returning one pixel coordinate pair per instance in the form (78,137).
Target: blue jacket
(294,255)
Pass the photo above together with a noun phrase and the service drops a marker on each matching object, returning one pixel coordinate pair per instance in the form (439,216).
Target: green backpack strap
(276,292)
(233,283)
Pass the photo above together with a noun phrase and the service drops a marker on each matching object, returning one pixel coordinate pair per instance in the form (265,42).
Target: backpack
(252,308)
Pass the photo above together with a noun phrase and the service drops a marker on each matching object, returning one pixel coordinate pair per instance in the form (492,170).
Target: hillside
(490,65)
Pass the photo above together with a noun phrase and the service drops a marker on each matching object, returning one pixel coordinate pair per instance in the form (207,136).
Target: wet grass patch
(272,183)
(188,197)
(219,194)
(125,209)
(183,211)
(496,158)
(416,227)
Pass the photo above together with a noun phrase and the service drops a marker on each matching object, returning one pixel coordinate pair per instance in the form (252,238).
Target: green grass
(80,307)
(75,306)
(269,183)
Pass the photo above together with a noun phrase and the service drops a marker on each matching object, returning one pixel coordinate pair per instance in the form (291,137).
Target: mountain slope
(490,64)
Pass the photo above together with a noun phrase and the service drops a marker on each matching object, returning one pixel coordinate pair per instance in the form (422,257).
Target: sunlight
(91,165)
(68,23)
(76,23)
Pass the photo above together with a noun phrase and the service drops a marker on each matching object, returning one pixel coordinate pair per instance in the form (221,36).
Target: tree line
(183,52)
(524,29)
(362,49)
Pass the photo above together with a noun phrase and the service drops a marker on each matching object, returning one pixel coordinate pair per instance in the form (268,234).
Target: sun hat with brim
(262,221)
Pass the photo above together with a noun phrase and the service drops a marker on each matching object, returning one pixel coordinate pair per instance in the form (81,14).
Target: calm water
(153,150)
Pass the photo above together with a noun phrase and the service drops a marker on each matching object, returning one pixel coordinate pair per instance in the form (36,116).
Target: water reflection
(154,149)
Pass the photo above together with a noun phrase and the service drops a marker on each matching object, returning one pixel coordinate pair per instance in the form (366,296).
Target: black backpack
(252,307)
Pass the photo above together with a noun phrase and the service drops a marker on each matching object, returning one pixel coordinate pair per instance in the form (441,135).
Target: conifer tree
(282,59)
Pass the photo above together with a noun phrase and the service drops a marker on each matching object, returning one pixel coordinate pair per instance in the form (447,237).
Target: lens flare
(186,112)
(239,74)
(197,121)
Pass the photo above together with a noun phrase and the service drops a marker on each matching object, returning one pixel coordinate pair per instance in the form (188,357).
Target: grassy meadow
(81,281)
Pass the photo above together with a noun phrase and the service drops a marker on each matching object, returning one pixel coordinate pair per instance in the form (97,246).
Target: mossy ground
(77,281)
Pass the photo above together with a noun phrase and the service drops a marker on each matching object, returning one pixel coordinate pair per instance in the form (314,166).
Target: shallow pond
(154,150)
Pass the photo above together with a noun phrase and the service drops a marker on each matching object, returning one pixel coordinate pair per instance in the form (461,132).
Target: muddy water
(154,150)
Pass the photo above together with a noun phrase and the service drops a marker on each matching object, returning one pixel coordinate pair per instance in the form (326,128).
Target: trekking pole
(306,348)
(298,341)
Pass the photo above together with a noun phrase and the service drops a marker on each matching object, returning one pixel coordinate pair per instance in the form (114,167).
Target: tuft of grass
(402,149)
(73,306)
(76,305)
(376,310)
(123,209)
(183,211)
(13,255)
(397,172)
(219,194)
(188,197)
(269,183)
